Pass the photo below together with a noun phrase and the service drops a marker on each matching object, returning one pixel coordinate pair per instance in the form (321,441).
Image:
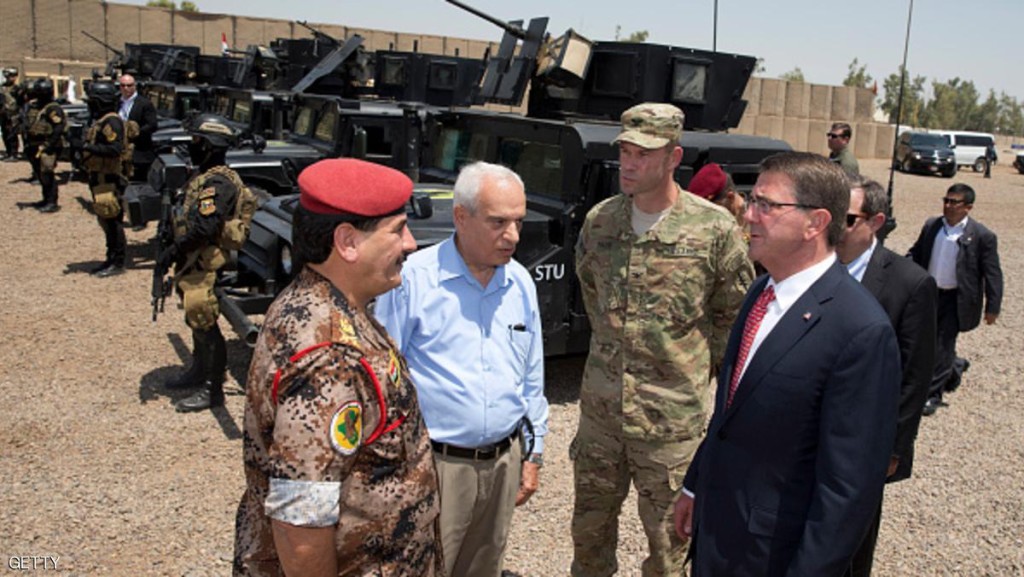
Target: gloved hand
(167,257)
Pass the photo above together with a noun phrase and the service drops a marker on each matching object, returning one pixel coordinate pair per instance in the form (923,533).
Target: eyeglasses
(851,219)
(833,135)
(954,201)
(763,205)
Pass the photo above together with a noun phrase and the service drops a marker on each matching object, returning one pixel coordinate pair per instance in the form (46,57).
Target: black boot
(210,396)
(195,376)
(212,349)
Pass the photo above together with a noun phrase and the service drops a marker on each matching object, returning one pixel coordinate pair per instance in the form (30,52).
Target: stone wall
(801,114)
(44,36)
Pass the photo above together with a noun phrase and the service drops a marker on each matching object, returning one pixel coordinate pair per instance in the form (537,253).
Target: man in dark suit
(790,474)
(136,107)
(908,295)
(963,257)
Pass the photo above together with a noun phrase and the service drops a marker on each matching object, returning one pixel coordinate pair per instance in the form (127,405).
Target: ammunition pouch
(212,258)
(47,162)
(200,302)
(104,200)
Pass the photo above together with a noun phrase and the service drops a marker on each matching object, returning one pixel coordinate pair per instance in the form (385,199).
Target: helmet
(103,97)
(42,90)
(215,130)
(10,73)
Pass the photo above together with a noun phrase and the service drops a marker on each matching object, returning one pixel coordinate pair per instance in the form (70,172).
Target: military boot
(212,349)
(196,373)
(210,396)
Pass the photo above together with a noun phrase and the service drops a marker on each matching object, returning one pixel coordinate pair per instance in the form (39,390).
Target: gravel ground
(98,469)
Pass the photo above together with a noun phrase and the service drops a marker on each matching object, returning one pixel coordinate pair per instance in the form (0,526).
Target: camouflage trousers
(605,463)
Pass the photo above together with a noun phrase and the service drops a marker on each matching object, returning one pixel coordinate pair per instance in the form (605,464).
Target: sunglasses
(851,219)
(831,135)
(954,201)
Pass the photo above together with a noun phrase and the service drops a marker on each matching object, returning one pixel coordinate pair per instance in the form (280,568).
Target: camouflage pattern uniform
(318,451)
(10,115)
(43,143)
(105,143)
(661,306)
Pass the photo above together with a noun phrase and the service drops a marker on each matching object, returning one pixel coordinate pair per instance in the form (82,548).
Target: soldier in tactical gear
(213,219)
(103,155)
(10,108)
(44,140)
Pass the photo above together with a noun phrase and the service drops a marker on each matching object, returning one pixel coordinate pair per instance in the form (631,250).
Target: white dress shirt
(942,265)
(126,106)
(858,266)
(787,292)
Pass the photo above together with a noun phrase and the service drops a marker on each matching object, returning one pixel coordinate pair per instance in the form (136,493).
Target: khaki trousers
(477,502)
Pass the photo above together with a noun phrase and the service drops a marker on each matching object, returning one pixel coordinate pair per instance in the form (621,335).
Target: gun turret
(508,73)
(319,34)
(115,63)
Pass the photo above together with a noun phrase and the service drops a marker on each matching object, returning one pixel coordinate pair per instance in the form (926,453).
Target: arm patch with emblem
(207,201)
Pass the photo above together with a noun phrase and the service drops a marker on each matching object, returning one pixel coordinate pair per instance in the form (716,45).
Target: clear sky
(977,41)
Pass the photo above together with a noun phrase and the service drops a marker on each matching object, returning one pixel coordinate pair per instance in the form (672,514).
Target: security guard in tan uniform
(212,220)
(44,141)
(103,155)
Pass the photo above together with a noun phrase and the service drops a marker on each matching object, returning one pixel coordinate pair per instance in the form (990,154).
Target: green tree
(858,76)
(794,75)
(161,4)
(913,98)
(638,36)
(187,6)
(1011,116)
(952,106)
(986,116)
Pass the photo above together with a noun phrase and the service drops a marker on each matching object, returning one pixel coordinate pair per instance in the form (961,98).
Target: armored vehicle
(562,150)
(321,126)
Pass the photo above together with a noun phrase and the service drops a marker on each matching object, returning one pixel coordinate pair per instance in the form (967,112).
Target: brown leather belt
(485,453)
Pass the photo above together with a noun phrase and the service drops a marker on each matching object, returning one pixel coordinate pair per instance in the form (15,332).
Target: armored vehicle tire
(979,165)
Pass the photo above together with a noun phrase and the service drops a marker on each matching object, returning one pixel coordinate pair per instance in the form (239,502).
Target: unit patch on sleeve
(347,428)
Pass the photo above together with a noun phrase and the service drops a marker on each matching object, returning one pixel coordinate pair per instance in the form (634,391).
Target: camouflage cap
(651,125)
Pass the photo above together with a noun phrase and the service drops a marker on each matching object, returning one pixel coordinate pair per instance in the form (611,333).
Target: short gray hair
(471,179)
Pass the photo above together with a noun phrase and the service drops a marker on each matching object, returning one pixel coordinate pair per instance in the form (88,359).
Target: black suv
(925,153)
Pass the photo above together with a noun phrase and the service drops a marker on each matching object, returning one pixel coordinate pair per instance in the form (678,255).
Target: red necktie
(753,323)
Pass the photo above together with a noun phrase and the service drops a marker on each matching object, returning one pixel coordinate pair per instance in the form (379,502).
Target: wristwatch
(536,459)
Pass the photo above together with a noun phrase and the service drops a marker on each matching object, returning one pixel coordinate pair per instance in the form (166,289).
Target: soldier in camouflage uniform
(663,274)
(44,141)
(213,219)
(10,112)
(339,470)
(102,153)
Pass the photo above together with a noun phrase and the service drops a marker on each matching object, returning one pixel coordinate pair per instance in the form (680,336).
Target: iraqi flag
(223,44)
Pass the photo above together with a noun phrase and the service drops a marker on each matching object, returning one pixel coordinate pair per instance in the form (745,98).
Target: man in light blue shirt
(467,320)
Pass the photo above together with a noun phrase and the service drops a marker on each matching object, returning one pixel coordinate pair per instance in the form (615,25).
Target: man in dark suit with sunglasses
(963,257)
(907,293)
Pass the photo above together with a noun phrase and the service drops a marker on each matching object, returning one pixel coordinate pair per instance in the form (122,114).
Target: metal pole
(890,223)
(714,38)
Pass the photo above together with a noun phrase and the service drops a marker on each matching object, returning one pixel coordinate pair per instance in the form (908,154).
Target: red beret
(709,182)
(351,186)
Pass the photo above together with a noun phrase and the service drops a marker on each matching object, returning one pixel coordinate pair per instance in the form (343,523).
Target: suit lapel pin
(807,316)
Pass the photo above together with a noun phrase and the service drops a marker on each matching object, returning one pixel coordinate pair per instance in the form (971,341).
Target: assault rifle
(162,285)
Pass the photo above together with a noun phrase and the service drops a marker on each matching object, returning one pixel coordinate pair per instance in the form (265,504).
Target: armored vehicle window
(539,165)
(378,142)
(222,105)
(457,147)
(613,73)
(689,81)
(393,71)
(242,112)
(303,120)
(325,127)
(443,75)
(190,103)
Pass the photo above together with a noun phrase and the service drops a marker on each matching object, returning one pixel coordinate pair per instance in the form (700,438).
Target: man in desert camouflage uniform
(339,471)
(663,274)
(10,109)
